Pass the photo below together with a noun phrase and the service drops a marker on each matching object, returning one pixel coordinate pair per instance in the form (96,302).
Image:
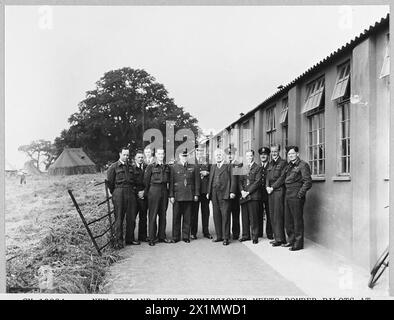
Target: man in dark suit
(251,196)
(221,189)
(264,159)
(142,205)
(234,203)
(203,167)
(298,181)
(184,190)
(156,180)
(276,192)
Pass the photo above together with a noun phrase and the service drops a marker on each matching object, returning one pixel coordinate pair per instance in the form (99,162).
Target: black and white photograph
(181,151)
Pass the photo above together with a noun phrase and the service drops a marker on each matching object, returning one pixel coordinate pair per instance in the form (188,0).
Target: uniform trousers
(204,203)
(125,205)
(157,207)
(294,220)
(182,211)
(277,213)
(142,208)
(250,219)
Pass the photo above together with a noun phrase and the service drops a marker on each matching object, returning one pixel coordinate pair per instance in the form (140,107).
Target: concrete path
(204,268)
(200,267)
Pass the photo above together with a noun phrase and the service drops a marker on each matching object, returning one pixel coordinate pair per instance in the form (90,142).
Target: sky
(215,61)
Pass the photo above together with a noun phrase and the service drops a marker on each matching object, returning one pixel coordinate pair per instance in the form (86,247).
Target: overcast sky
(215,61)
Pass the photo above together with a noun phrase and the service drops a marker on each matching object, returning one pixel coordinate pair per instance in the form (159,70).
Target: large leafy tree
(124,103)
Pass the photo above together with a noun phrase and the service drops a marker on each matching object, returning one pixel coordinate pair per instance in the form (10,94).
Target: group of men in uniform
(275,188)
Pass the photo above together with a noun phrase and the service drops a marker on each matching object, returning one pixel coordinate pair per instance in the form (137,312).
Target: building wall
(345,214)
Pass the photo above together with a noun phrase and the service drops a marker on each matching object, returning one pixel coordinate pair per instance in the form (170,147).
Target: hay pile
(43,229)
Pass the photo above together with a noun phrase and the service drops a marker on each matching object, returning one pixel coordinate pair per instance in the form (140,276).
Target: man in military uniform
(203,167)
(234,203)
(156,179)
(276,193)
(264,153)
(184,190)
(251,196)
(298,181)
(221,189)
(121,184)
(142,205)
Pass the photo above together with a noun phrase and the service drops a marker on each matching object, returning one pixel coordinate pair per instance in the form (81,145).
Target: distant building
(338,113)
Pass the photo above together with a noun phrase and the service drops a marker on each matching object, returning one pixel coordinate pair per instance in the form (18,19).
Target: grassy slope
(43,228)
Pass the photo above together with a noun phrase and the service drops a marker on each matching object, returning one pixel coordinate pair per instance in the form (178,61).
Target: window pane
(321,166)
(321,152)
(314,168)
(314,137)
(343,148)
(343,165)
(347,131)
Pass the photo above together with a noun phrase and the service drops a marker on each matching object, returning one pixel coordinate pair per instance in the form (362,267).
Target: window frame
(271,125)
(315,95)
(320,143)
(342,83)
(343,103)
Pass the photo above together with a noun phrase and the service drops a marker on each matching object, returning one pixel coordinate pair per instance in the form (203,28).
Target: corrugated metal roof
(344,49)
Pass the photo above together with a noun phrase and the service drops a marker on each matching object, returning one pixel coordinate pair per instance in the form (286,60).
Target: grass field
(43,229)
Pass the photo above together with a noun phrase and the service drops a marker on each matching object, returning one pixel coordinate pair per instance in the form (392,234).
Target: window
(316,143)
(314,95)
(246,134)
(283,114)
(386,60)
(342,84)
(219,142)
(284,123)
(344,137)
(271,127)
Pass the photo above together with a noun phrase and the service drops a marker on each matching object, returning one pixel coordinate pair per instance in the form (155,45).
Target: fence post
(84,221)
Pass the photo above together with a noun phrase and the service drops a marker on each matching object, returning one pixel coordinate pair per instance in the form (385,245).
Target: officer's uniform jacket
(121,175)
(274,172)
(297,179)
(251,181)
(156,174)
(184,182)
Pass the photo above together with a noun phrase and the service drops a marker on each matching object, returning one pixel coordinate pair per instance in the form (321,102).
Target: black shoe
(244,239)
(288,244)
(133,243)
(272,242)
(271,237)
(164,241)
(255,241)
(295,248)
(226,242)
(151,243)
(277,243)
(208,236)
(217,240)
(174,240)
(193,237)
(186,240)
